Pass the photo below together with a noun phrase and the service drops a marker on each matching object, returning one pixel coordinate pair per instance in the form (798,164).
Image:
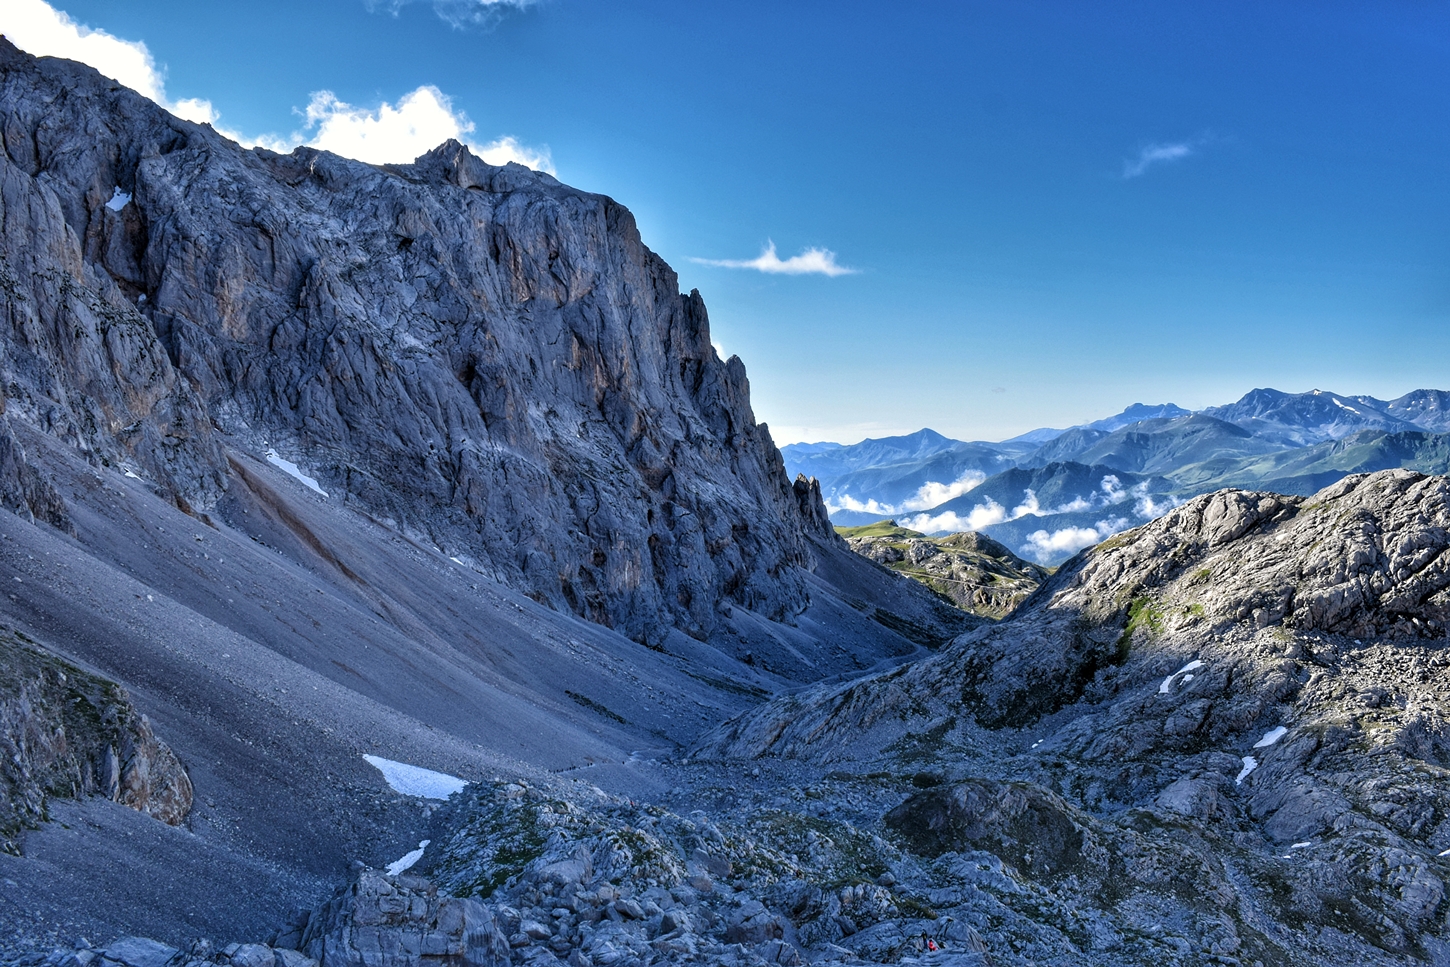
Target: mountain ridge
(1256,441)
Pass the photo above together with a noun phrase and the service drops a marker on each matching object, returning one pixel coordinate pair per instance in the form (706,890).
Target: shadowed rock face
(480,355)
(1021,824)
(64,732)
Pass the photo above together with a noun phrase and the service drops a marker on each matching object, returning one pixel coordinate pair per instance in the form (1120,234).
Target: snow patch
(415,780)
(408,859)
(1271,736)
(1167,686)
(119,200)
(1443,853)
(292,470)
(1301,845)
(133,476)
(1250,764)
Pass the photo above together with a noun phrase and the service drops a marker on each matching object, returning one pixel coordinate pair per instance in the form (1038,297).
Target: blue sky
(1052,210)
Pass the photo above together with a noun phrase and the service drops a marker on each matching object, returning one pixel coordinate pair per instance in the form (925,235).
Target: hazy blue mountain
(1156,454)
(828,460)
(1036,437)
(1056,488)
(1164,446)
(1304,419)
(1065,446)
(1133,414)
(1308,469)
(1136,414)
(1429,409)
(908,486)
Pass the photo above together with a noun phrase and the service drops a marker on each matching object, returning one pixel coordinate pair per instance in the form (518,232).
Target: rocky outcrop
(971,570)
(23,489)
(64,732)
(400,921)
(482,356)
(1263,679)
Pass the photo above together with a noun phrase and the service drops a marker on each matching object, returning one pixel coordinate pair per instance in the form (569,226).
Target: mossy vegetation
(969,571)
(882,528)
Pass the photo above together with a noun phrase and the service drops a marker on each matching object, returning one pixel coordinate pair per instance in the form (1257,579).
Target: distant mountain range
(1048,493)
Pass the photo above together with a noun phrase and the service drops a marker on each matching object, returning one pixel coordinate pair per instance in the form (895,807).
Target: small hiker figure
(927,943)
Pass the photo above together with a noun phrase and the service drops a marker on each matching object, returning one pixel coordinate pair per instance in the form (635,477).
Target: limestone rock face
(23,489)
(64,732)
(482,356)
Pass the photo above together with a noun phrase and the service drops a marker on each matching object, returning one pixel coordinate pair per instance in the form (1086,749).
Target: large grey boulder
(383,921)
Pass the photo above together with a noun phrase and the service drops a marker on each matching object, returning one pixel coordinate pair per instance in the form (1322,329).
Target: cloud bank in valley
(387,134)
(928,495)
(1043,545)
(1046,545)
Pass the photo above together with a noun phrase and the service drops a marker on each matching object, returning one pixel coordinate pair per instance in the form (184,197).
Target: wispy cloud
(420,121)
(1156,154)
(949,522)
(1044,544)
(459,14)
(812,261)
(871,506)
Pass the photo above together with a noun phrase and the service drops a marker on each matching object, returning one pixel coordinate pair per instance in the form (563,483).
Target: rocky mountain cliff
(488,359)
(320,461)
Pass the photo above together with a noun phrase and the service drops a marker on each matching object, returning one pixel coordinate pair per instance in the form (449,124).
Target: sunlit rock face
(482,356)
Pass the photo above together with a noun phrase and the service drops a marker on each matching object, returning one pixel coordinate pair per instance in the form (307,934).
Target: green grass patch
(882,528)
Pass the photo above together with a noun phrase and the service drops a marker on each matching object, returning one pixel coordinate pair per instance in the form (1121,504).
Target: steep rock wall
(481,356)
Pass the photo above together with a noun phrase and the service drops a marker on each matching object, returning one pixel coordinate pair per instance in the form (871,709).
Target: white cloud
(983,515)
(1112,487)
(1044,546)
(422,119)
(812,261)
(1028,506)
(1153,154)
(40,29)
(847,502)
(932,493)
(1148,506)
(927,496)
